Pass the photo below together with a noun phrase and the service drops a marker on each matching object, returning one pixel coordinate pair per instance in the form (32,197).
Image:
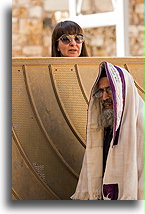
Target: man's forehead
(103,82)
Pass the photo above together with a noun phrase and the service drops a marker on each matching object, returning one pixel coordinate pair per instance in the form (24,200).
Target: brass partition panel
(50,100)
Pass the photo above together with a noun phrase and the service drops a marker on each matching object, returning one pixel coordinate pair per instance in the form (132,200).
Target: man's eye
(101,90)
(108,89)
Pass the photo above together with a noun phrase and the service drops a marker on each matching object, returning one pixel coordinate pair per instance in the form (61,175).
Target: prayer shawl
(123,177)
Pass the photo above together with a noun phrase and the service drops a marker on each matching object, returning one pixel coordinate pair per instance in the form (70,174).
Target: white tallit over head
(123,177)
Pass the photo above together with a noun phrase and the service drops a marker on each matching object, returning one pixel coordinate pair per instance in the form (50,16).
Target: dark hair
(66,27)
(103,70)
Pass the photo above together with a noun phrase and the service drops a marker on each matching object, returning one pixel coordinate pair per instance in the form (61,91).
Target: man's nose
(105,95)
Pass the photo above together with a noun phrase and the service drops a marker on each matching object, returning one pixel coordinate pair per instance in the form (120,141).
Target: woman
(68,40)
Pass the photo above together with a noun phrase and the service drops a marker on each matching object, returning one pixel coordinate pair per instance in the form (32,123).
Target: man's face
(105,93)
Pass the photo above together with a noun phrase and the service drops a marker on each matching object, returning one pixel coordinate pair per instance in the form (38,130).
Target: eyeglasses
(99,92)
(66,39)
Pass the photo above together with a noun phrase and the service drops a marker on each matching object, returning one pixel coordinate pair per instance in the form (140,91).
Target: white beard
(107,117)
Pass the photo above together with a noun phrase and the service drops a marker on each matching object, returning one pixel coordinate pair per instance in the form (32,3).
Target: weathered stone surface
(20,40)
(23,3)
(33,22)
(17,51)
(35,12)
(139,8)
(28,26)
(35,39)
(32,51)
(15,25)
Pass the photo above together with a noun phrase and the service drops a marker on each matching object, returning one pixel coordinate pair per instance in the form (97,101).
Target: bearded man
(104,94)
(113,162)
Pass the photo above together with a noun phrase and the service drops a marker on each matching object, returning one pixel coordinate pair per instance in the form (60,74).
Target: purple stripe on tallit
(123,83)
(115,142)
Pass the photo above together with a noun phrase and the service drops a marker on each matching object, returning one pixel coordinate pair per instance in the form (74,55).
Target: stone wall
(136,29)
(33,22)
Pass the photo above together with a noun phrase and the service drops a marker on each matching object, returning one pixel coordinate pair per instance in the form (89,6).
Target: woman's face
(69,46)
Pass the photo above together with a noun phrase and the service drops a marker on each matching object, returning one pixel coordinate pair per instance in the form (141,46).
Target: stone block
(35,39)
(133,30)
(46,52)
(18,39)
(46,41)
(32,50)
(24,3)
(15,25)
(28,26)
(37,2)
(35,12)
(139,1)
(17,51)
(19,12)
(15,11)
(23,12)
(55,5)
(14,2)
(139,8)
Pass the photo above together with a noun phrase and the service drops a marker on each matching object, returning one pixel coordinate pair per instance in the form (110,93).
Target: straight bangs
(68,28)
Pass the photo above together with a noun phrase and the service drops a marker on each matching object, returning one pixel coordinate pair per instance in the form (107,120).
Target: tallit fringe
(106,198)
(85,196)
